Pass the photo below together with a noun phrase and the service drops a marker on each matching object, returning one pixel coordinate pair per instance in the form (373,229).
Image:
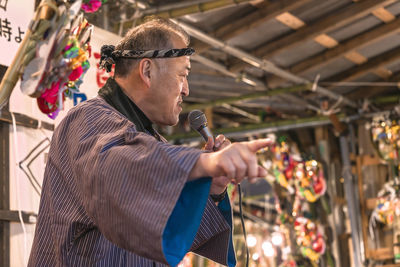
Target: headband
(109,55)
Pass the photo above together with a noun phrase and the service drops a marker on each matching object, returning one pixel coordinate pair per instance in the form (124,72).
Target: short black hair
(154,34)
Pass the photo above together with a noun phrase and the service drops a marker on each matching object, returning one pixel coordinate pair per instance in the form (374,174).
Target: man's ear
(145,70)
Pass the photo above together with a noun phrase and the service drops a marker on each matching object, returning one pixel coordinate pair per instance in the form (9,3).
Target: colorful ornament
(90,6)
(386,137)
(60,59)
(310,181)
(387,207)
(309,239)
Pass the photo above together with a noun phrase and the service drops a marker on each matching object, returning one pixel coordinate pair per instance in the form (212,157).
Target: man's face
(168,86)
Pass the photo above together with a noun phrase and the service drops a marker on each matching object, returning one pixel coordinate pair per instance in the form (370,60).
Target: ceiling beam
(261,64)
(327,23)
(283,125)
(248,79)
(372,64)
(264,127)
(241,112)
(357,42)
(369,92)
(258,84)
(231,100)
(267,12)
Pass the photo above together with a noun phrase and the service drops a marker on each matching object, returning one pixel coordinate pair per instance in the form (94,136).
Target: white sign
(15,16)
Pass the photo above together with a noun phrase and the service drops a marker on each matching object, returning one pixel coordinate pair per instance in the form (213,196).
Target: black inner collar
(114,95)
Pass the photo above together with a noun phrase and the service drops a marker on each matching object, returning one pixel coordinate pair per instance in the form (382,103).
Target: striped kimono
(116,194)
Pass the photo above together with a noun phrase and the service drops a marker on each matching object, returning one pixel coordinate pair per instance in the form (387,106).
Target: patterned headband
(109,54)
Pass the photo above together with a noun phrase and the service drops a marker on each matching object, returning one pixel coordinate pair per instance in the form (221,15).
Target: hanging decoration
(310,181)
(386,137)
(53,57)
(309,238)
(385,132)
(388,206)
(55,66)
(305,182)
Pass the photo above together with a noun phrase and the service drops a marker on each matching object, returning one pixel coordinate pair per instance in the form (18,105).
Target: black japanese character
(3,4)
(5,29)
(18,38)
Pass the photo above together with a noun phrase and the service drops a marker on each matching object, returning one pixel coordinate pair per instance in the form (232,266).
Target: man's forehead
(188,66)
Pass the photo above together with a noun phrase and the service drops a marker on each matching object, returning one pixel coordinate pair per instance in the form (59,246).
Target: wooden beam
(296,123)
(357,42)
(356,57)
(383,72)
(290,20)
(230,100)
(383,14)
(327,23)
(374,63)
(326,41)
(382,253)
(266,12)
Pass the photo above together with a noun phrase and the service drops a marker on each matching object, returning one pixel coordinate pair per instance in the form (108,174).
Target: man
(115,193)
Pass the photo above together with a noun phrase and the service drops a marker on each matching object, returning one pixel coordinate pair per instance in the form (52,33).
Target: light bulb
(251,241)
(277,239)
(268,249)
(256,256)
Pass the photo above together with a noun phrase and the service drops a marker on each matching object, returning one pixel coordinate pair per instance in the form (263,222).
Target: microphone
(198,122)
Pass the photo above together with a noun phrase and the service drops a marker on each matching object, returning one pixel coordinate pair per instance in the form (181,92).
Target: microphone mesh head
(197,119)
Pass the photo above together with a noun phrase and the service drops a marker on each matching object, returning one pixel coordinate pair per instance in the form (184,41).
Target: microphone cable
(243,226)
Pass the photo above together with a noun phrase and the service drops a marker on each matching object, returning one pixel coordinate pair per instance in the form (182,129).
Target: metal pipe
(351,199)
(185,8)
(169,7)
(218,102)
(259,63)
(271,127)
(221,68)
(242,112)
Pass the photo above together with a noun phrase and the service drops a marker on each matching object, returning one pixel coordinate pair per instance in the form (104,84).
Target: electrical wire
(243,226)
(18,187)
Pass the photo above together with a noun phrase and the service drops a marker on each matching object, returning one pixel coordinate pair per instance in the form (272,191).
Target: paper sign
(15,16)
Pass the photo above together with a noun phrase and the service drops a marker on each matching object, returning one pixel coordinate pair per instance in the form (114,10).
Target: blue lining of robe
(225,207)
(185,219)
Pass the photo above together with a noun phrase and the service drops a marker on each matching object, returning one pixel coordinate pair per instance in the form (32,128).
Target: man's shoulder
(93,112)
(96,106)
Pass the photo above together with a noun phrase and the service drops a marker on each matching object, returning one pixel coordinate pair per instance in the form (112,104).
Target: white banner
(15,16)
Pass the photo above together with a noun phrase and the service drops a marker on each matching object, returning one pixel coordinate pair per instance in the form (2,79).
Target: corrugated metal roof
(287,48)
(259,35)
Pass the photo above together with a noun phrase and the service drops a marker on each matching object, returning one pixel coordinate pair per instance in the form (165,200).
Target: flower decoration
(69,67)
(310,180)
(305,181)
(309,238)
(90,6)
(57,58)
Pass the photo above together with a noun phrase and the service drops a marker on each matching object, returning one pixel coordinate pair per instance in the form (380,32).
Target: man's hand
(234,162)
(219,143)
(218,183)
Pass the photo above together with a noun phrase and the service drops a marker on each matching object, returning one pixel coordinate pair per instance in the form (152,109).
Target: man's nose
(185,88)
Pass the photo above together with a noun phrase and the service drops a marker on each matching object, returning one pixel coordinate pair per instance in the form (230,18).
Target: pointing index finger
(256,145)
